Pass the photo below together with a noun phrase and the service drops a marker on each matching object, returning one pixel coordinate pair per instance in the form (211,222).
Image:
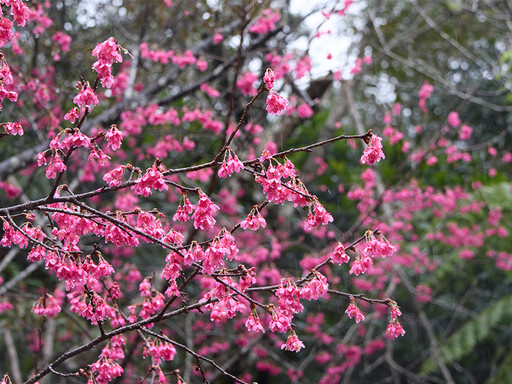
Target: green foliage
(465,339)
(504,372)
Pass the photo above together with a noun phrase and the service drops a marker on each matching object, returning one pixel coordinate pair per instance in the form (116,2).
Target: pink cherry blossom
(230,165)
(204,213)
(339,255)
(373,152)
(267,22)
(152,179)
(269,79)
(276,104)
(46,306)
(354,311)
(246,84)
(304,111)
(293,343)
(217,38)
(253,221)
(107,53)
(13,128)
(453,119)
(395,329)
(86,97)
(72,115)
(465,132)
(114,137)
(253,324)
(113,178)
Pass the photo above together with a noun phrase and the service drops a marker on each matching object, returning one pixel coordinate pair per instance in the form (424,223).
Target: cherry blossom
(205,211)
(373,152)
(353,311)
(269,79)
(152,179)
(114,137)
(276,104)
(293,343)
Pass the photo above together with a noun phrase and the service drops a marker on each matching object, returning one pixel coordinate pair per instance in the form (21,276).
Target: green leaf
(504,372)
(475,330)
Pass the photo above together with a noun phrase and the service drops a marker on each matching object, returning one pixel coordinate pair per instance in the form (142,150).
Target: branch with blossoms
(210,266)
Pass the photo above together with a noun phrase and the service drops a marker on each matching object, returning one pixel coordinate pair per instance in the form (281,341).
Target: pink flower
(293,343)
(113,178)
(373,152)
(161,350)
(6,32)
(395,310)
(379,248)
(152,179)
(303,67)
(13,128)
(98,155)
(267,22)
(279,322)
(232,165)
(107,53)
(184,211)
(453,119)
(246,84)
(7,82)
(354,311)
(63,40)
(319,216)
(253,324)
(106,370)
(20,12)
(276,104)
(217,38)
(424,93)
(339,255)
(431,160)
(269,78)
(466,254)
(56,165)
(77,139)
(465,132)
(361,265)
(395,329)
(316,288)
(46,306)
(114,137)
(86,97)
(304,111)
(72,115)
(253,221)
(203,215)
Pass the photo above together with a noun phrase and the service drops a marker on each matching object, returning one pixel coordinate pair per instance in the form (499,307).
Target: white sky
(336,43)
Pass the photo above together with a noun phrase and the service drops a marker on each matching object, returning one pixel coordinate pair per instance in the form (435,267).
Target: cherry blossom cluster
(107,54)
(7,89)
(20,14)
(164,57)
(228,278)
(373,152)
(267,22)
(424,93)
(231,164)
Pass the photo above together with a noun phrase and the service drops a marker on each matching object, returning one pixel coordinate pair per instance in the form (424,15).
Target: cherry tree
(164,221)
